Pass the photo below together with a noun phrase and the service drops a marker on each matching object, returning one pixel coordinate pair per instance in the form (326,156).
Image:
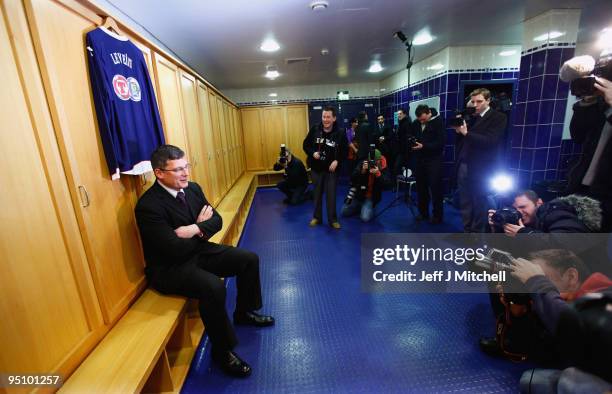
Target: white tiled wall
(564,21)
(305,93)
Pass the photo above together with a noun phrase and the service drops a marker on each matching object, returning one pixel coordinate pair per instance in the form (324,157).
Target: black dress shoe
(253,319)
(231,364)
(490,346)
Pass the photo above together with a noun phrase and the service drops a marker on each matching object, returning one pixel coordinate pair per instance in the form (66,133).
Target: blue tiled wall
(346,109)
(445,85)
(538,116)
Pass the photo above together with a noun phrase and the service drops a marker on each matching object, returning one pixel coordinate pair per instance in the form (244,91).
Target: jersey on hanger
(126,108)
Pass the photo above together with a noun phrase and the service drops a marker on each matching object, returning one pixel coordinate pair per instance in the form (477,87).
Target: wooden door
(297,129)
(223,137)
(105,208)
(273,133)
(50,314)
(212,193)
(252,138)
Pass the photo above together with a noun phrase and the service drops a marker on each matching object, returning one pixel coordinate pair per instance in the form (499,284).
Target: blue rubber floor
(331,337)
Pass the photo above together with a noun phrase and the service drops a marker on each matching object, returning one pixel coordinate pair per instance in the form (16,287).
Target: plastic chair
(406,178)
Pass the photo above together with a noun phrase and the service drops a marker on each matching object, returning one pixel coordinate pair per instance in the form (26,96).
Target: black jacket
(433,138)
(480,146)
(295,173)
(365,136)
(571,214)
(402,132)
(158,214)
(360,182)
(585,128)
(333,144)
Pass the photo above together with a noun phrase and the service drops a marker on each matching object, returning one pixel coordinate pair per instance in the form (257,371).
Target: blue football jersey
(128,117)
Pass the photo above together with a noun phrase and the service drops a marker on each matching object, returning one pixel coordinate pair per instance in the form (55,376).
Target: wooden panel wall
(71,262)
(265,128)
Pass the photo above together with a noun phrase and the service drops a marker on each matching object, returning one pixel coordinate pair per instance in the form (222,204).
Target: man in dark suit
(404,150)
(430,134)
(383,132)
(476,153)
(175,222)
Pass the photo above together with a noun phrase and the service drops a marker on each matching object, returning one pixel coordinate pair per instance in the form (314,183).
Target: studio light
(401,36)
(502,183)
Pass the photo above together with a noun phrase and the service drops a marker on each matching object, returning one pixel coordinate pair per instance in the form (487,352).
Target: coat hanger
(110,24)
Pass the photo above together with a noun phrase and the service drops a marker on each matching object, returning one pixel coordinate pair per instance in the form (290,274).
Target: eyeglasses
(179,169)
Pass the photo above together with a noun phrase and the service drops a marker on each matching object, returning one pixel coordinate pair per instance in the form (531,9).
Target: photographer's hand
(512,229)
(417,146)
(333,165)
(524,270)
(490,219)
(373,170)
(462,129)
(605,87)
(316,155)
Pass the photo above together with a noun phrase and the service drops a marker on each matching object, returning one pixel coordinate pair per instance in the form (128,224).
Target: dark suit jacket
(433,138)
(158,214)
(481,145)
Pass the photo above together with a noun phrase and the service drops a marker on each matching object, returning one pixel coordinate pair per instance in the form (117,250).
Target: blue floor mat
(331,337)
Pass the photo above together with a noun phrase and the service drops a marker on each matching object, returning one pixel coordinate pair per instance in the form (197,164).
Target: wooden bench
(269,178)
(151,347)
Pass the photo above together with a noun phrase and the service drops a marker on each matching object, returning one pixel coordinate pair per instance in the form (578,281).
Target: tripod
(406,196)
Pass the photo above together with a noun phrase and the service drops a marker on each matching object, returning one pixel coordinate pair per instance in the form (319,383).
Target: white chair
(406,178)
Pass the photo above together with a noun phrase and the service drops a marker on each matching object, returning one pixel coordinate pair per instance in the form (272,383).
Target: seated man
(366,187)
(570,214)
(295,184)
(175,222)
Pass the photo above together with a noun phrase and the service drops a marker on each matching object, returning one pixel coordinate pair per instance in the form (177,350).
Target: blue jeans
(365,209)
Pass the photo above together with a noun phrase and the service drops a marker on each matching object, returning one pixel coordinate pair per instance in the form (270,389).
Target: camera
(283,154)
(461,116)
(585,86)
(412,141)
(505,216)
(372,156)
(352,193)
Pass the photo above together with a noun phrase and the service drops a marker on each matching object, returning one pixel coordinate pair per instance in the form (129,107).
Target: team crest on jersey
(126,88)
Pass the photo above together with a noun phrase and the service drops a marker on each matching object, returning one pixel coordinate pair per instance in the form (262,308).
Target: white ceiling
(220,39)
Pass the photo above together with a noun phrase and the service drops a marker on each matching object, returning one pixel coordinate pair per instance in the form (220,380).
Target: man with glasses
(176,222)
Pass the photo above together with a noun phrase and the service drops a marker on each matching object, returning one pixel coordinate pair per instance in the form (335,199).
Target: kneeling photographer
(295,184)
(366,186)
(528,215)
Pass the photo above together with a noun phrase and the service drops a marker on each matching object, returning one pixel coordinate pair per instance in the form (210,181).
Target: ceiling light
(319,5)
(269,45)
(507,53)
(273,95)
(324,51)
(375,68)
(422,38)
(605,38)
(382,89)
(437,66)
(549,36)
(272,74)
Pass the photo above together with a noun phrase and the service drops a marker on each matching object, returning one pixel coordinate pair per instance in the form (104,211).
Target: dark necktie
(180,196)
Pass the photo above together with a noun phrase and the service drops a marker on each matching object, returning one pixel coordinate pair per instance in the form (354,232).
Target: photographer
(325,146)
(365,135)
(429,136)
(366,186)
(295,184)
(477,148)
(591,126)
(402,159)
(570,214)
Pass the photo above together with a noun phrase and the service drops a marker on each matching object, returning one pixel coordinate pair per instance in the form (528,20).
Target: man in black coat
(384,131)
(476,153)
(175,222)
(430,134)
(591,126)
(295,184)
(403,131)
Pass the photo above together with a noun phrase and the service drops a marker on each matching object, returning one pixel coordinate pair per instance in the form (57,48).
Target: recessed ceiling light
(549,36)
(507,53)
(382,89)
(269,45)
(375,68)
(437,66)
(273,95)
(605,38)
(324,51)
(319,5)
(422,38)
(272,74)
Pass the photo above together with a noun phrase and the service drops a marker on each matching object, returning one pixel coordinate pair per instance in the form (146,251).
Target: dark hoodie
(332,144)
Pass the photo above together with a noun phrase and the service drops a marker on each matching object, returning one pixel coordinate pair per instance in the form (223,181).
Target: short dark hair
(362,116)
(163,153)
(331,109)
(562,260)
(402,111)
(422,109)
(380,115)
(530,194)
(485,93)
(353,120)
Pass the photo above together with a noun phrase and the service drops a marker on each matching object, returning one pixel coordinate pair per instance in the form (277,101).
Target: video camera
(504,216)
(585,86)
(372,156)
(461,116)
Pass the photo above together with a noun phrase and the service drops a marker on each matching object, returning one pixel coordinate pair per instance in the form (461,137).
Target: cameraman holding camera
(477,148)
(295,184)
(570,214)
(325,146)
(366,186)
(591,126)
(429,137)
